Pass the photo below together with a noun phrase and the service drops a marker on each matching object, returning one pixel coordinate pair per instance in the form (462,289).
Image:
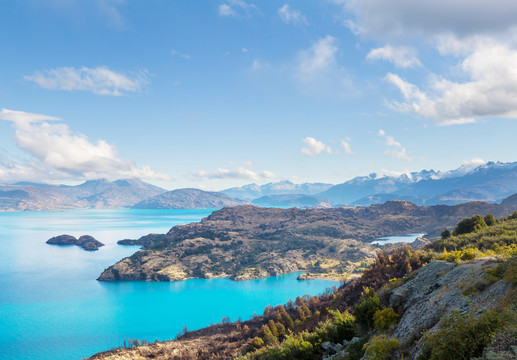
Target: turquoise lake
(51,306)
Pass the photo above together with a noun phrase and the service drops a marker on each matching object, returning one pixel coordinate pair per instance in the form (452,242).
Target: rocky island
(247,242)
(87,242)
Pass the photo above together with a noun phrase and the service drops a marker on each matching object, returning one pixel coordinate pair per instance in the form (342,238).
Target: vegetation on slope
(472,310)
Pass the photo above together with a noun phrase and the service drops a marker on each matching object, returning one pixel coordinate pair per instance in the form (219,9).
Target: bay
(51,306)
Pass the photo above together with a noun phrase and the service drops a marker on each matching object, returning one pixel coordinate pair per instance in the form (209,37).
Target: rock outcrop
(87,242)
(440,288)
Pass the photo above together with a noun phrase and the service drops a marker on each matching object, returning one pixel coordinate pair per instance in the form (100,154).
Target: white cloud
(226,10)
(346,146)
(489,91)
(319,58)
(314,147)
(395,149)
(292,16)
(400,56)
(237,8)
(317,69)
(386,19)
(59,153)
(99,80)
(240,172)
(244,50)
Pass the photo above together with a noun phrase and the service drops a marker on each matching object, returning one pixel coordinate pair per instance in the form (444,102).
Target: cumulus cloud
(314,147)
(59,153)
(240,172)
(99,80)
(235,8)
(292,16)
(490,88)
(400,56)
(395,149)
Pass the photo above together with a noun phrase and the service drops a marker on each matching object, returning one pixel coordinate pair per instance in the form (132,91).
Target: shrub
(490,219)
(464,336)
(380,347)
(469,225)
(366,309)
(446,234)
(385,319)
(255,344)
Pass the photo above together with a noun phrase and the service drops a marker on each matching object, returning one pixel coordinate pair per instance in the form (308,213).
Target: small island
(87,242)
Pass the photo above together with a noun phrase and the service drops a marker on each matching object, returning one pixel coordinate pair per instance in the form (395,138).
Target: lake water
(51,306)
(396,239)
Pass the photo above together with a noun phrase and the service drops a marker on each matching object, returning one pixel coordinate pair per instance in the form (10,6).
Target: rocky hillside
(411,304)
(248,242)
(188,199)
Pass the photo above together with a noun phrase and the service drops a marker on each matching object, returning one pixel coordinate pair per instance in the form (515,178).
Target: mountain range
(491,182)
(101,193)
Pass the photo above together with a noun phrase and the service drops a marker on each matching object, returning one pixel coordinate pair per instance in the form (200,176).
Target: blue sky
(214,94)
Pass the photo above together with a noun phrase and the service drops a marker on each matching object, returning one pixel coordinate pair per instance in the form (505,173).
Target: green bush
(366,309)
(464,336)
(469,225)
(385,319)
(380,347)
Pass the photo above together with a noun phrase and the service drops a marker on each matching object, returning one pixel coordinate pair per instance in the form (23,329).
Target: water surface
(51,306)
(407,238)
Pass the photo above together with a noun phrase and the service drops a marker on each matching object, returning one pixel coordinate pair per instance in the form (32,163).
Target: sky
(220,93)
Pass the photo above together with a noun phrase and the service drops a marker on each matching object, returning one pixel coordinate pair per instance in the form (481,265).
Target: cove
(51,306)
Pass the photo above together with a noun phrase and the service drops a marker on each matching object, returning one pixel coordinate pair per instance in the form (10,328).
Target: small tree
(469,225)
(490,219)
(366,309)
(446,234)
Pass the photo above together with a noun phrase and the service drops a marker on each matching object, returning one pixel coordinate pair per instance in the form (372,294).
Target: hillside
(460,305)
(92,194)
(188,199)
(248,242)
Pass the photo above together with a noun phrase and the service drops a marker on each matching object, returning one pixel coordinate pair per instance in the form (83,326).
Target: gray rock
(354,340)
(437,290)
(419,243)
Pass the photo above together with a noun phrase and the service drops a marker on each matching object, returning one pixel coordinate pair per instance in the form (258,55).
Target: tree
(366,309)
(490,219)
(446,234)
(468,225)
